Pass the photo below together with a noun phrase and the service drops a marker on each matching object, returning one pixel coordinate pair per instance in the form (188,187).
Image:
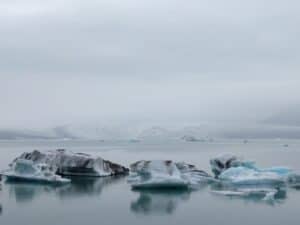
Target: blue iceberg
(234,170)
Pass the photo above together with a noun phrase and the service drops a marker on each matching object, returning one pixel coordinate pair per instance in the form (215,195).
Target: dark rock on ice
(75,164)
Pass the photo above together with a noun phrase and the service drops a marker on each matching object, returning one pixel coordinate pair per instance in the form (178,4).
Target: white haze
(144,63)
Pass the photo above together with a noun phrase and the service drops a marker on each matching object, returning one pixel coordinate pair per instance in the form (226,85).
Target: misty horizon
(132,63)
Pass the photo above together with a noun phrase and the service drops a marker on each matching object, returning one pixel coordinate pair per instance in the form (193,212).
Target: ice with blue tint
(26,170)
(165,174)
(233,169)
(250,176)
(243,178)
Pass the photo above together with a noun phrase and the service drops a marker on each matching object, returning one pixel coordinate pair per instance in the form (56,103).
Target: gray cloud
(64,61)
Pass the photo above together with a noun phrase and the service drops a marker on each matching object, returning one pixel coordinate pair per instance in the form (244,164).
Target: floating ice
(248,176)
(165,174)
(223,162)
(75,164)
(26,170)
(232,169)
(268,194)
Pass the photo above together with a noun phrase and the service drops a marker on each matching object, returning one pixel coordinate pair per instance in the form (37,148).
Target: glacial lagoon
(110,200)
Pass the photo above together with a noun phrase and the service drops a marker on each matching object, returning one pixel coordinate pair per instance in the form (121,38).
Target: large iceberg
(26,170)
(165,174)
(75,164)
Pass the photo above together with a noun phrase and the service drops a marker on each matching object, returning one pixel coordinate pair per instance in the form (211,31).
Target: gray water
(111,200)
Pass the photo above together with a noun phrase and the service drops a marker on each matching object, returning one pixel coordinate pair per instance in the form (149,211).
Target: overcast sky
(64,61)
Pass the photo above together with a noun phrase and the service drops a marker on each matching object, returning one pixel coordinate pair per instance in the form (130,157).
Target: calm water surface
(111,201)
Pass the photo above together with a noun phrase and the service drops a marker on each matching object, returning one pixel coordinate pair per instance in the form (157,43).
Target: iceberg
(26,170)
(68,163)
(223,162)
(165,174)
(248,176)
(233,170)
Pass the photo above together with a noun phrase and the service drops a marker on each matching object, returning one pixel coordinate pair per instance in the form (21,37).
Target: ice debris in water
(165,174)
(235,173)
(26,170)
(268,194)
(75,164)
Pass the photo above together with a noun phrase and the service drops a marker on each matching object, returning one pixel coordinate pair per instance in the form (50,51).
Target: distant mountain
(155,132)
(54,133)
(202,132)
(17,135)
(263,131)
(70,132)
(288,117)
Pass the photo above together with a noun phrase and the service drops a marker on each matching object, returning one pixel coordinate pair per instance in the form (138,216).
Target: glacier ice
(232,169)
(75,164)
(26,170)
(165,174)
(243,178)
(248,176)
(223,162)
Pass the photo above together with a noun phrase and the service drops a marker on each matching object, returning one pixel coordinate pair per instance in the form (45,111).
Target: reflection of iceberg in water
(159,202)
(79,187)
(87,186)
(26,192)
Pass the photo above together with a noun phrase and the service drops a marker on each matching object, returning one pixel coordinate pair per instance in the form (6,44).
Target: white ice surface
(26,170)
(159,174)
